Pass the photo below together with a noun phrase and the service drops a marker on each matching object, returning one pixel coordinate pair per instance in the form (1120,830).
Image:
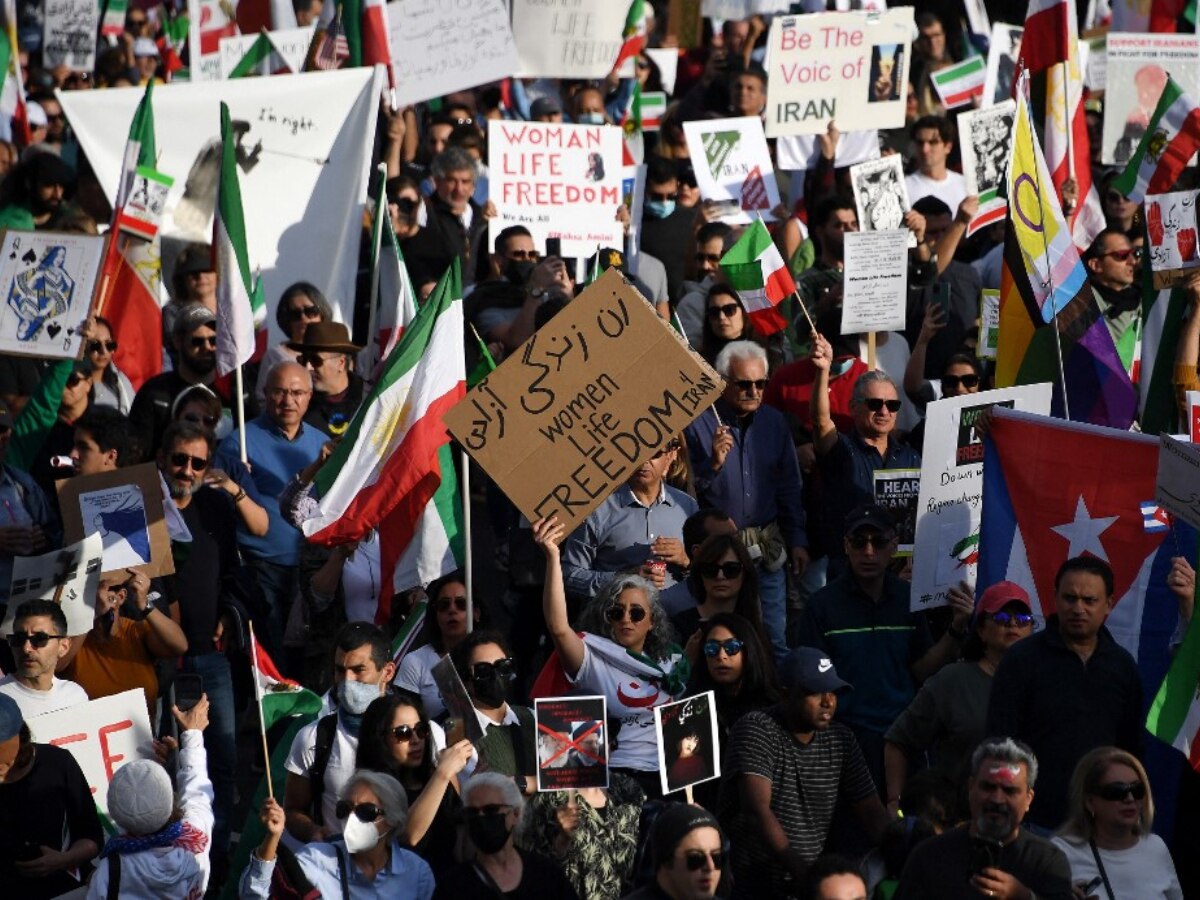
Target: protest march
(583,450)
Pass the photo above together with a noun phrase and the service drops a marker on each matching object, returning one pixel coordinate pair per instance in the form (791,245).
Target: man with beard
(820,287)
(39,643)
(36,192)
(992,855)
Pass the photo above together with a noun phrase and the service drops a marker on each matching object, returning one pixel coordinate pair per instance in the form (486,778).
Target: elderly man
(39,641)
(280,444)
(992,855)
(452,224)
(744,462)
(328,355)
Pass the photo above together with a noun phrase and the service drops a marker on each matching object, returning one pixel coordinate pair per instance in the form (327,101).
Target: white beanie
(140,797)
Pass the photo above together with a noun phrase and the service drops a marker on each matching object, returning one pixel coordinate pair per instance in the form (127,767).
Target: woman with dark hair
(110,387)
(722,580)
(736,667)
(445,627)
(725,321)
(300,305)
(398,739)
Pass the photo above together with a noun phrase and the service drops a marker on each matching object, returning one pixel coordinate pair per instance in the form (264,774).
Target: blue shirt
(274,460)
(760,480)
(22,502)
(405,877)
(617,536)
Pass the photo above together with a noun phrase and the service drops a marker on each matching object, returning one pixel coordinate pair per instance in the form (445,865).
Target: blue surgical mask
(590,118)
(841,366)
(353,698)
(659,209)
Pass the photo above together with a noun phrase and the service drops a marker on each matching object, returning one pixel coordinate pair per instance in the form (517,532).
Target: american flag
(334,49)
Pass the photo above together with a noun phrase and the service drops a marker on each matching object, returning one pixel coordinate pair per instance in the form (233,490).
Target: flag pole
(871,350)
(241,414)
(465,483)
(804,309)
(262,723)
(376,242)
(1068,129)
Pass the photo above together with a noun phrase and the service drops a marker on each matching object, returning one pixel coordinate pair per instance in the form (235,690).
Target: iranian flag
(240,308)
(14,121)
(1048,34)
(755,268)
(962,83)
(278,697)
(393,470)
(1174,716)
(634,33)
(257,60)
(366,24)
(634,146)
(114,18)
(1171,139)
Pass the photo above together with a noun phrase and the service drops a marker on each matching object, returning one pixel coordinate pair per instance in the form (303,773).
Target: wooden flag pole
(804,309)
(465,484)
(241,415)
(262,723)
(372,312)
(871,350)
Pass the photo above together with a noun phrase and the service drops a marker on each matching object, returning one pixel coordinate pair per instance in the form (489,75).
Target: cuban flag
(1154,517)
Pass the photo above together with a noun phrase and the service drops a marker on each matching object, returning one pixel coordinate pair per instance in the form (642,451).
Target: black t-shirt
(202,564)
(668,240)
(52,800)
(541,880)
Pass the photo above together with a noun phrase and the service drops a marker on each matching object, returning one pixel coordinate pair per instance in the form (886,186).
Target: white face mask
(359,835)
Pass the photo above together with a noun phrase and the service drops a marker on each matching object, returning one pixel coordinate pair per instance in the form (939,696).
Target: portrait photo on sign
(880,194)
(887,62)
(1003,52)
(689,750)
(572,743)
(985,146)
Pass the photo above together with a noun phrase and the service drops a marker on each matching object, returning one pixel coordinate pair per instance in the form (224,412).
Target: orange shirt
(121,663)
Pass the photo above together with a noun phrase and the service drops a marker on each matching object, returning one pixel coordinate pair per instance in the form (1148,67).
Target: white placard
(667,60)
(989,324)
(951,500)
(876,281)
(1003,51)
(1136,73)
(880,193)
(985,136)
(291,44)
(568,38)
(733,167)
(1171,231)
(725,9)
(208,22)
(1177,488)
(75,567)
(795,152)
(69,34)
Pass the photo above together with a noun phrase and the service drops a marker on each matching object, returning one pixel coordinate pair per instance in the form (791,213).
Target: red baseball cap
(1000,594)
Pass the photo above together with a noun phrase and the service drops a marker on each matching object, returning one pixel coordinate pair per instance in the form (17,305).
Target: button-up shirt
(405,877)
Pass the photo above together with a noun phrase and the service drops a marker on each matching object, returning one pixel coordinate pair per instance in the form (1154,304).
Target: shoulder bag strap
(114,877)
(343,874)
(1103,875)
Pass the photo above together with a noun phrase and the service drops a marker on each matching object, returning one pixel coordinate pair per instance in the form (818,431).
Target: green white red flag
(1170,141)
(1174,716)
(12,90)
(634,33)
(755,268)
(278,697)
(395,300)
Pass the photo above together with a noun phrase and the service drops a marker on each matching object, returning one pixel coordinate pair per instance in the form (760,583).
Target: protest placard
(1171,237)
(102,735)
(461,721)
(569,415)
(567,38)
(850,67)
(69,30)
(733,167)
(876,281)
(289,44)
(142,213)
(689,749)
(880,193)
(572,745)
(208,22)
(896,490)
(802,151)
(960,84)
(559,181)
(725,9)
(949,508)
(985,136)
(68,577)
(439,48)
(1177,488)
(47,280)
(989,324)
(1135,75)
(1003,52)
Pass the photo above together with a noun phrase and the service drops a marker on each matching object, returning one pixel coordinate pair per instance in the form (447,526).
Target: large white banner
(733,167)
(439,48)
(303,147)
(1138,66)
(568,38)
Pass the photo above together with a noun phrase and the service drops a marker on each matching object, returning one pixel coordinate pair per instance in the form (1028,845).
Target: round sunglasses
(405,733)
(731,646)
(616,613)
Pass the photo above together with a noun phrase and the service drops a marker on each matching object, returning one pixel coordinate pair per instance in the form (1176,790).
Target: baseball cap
(811,671)
(869,514)
(675,823)
(191,317)
(11,719)
(999,595)
(140,797)
(544,106)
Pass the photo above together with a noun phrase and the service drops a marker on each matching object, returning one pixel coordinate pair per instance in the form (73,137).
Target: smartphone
(554,246)
(940,296)
(984,854)
(188,689)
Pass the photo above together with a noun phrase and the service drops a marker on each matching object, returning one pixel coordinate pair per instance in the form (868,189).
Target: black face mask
(488,832)
(519,271)
(491,692)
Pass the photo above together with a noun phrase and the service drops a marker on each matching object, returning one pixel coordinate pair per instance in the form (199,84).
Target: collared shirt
(617,536)
(760,480)
(405,877)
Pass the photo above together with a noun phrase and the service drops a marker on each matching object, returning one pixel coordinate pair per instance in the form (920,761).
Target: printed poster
(69,577)
(875,295)
(461,720)
(985,136)
(1003,51)
(1171,237)
(69,29)
(880,194)
(896,490)
(572,743)
(1136,73)
(989,324)
(733,167)
(689,749)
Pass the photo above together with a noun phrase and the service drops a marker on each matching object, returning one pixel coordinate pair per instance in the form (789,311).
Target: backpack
(322,750)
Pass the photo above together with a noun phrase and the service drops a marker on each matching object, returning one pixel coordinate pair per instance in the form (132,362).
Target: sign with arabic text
(1171,237)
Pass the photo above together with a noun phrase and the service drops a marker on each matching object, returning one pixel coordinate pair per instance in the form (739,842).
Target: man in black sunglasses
(1112,265)
(690,854)
(39,642)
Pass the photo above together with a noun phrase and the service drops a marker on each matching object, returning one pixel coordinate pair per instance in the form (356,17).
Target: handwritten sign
(568,38)
(69,577)
(569,415)
(439,48)
(290,44)
(69,34)
(557,180)
(102,735)
(876,288)
(1177,488)
(850,67)
(1171,237)
(733,167)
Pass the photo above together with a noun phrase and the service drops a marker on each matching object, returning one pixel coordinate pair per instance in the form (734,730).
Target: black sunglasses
(39,639)
(875,404)
(726,310)
(616,613)
(665,449)
(1115,791)
(199,463)
(710,258)
(97,346)
(731,646)
(405,205)
(745,384)
(310,359)
(492,809)
(694,860)
(951,382)
(1004,618)
(504,668)
(727,569)
(304,312)
(443,604)
(405,733)
(201,342)
(878,541)
(75,378)
(366,812)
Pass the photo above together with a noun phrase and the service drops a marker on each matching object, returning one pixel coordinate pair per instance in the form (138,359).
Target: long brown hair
(1088,775)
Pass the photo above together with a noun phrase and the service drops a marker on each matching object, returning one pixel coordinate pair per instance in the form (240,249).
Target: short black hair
(187,431)
(1090,565)
(354,635)
(1096,247)
(712,230)
(37,607)
(660,170)
(695,526)
(461,655)
(508,234)
(932,206)
(754,70)
(943,126)
(823,211)
(826,866)
(110,430)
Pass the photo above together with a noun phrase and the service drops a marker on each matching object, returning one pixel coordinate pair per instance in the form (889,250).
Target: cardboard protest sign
(880,194)
(733,167)
(689,749)
(1003,52)
(568,416)
(567,38)
(989,324)
(876,281)
(572,743)
(850,67)
(439,48)
(68,577)
(1136,73)
(985,136)
(461,720)
(124,507)
(896,490)
(102,735)
(951,499)
(142,213)
(1171,231)
(69,30)
(290,45)
(557,180)
(47,282)
(1177,488)
(303,151)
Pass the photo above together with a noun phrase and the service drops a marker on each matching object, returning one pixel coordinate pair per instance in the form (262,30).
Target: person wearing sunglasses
(1112,267)
(193,280)
(722,579)
(301,304)
(1108,836)
(446,624)
(701,265)
(110,387)
(725,321)
(690,854)
(329,355)
(948,717)
(39,643)
(367,860)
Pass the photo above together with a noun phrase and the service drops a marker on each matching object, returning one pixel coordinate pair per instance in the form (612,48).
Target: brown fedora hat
(332,337)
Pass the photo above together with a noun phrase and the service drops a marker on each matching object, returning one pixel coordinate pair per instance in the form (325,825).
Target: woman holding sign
(627,653)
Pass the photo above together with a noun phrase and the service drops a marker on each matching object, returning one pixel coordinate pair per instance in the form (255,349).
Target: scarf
(179,833)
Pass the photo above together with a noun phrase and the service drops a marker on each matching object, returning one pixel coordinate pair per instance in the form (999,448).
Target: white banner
(568,38)
(439,48)
(1003,51)
(304,148)
(876,281)
(733,167)
(951,501)
(69,34)
(76,568)
(1137,70)
(291,44)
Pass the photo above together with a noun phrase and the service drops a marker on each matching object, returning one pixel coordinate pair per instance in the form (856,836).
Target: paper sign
(950,506)
(1171,237)
(568,38)
(291,45)
(896,491)
(557,180)
(102,735)
(1137,70)
(985,136)
(876,281)
(725,9)
(568,416)
(689,749)
(572,743)
(1177,489)
(733,167)
(849,67)
(69,31)
(1003,51)
(989,324)
(142,213)
(68,577)
(880,194)
(1193,408)
(803,151)
(461,721)
(208,22)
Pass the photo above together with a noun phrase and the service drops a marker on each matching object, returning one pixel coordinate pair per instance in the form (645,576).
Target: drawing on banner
(1171,231)
(68,577)
(47,280)
(880,193)
(737,174)
(1136,72)
(119,516)
(688,746)
(887,61)
(985,136)
(1003,52)
(572,744)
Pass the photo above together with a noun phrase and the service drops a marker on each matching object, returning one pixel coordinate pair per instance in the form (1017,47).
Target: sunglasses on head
(200,342)
(878,541)
(38,639)
(97,346)
(503,668)
(726,310)
(443,604)
(405,733)
(198,463)
(745,384)
(1115,791)
(206,421)
(304,312)
(366,812)
(731,646)
(1019,619)
(951,382)
(694,860)
(726,569)
(616,613)
(875,404)
(665,449)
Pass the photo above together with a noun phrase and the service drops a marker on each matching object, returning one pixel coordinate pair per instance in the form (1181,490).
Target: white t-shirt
(952,191)
(415,675)
(337,772)
(1144,870)
(61,695)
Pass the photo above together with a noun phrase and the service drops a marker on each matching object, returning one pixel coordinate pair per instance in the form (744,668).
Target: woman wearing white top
(445,627)
(110,387)
(1107,837)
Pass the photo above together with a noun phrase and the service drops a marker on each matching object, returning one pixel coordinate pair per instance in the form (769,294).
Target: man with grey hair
(992,854)
(743,462)
(452,224)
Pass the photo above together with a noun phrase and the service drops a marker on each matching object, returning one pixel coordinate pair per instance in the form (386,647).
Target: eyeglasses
(665,449)
(708,258)
(520,255)
(745,384)
(1116,791)
(502,668)
(952,382)
(616,613)
(727,311)
(1006,618)
(492,809)
(694,860)
(405,733)
(206,421)
(875,404)
(731,646)
(97,346)
(443,604)
(198,463)
(304,312)
(281,393)
(311,359)
(75,378)
(730,569)
(38,639)
(1118,255)
(366,812)
(878,541)
(201,342)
